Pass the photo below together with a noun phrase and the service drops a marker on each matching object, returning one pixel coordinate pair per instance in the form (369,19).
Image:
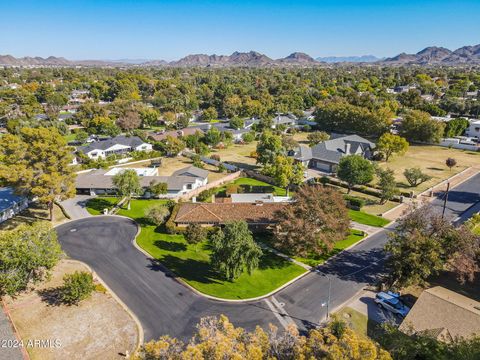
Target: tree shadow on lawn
(99,204)
(170,245)
(435,168)
(189,269)
(271,261)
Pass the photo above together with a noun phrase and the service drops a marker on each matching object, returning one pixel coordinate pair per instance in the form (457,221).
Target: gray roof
(8,198)
(132,141)
(97,179)
(192,171)
(332,150)
(284,119)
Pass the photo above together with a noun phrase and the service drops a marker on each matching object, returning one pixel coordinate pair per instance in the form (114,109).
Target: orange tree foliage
(217,338)
(314,222)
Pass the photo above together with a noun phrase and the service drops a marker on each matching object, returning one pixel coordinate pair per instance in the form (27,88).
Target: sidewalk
(369,230)
(7,335)
(430,194)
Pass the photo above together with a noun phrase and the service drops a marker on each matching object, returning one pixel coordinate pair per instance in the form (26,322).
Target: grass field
(238,155)
(256,186)
(367,219)
(96,205)
(314,260)
(431,160)
(192,262)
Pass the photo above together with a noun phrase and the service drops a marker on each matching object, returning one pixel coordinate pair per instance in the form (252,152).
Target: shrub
(222,168)
(76,287)
(195,234)
(157,214)
(354,202)
(232,189)
(207,194)
(415,176)
(170,226)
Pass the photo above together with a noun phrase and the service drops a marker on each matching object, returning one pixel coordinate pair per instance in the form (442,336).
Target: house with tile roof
(211,214)
(326,155)
(444,315)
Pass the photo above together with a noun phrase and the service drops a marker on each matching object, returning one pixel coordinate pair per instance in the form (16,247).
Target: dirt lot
(32,214)
(98,328)
(239,155)
(431,160)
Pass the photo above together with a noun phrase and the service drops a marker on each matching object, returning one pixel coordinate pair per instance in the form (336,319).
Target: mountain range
(434,55)
(467,55)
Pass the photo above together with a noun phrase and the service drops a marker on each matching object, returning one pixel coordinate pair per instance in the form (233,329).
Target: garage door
(322,166)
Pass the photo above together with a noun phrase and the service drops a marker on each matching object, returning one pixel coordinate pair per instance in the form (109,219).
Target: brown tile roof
(220,213)
(157,136)
(444,313)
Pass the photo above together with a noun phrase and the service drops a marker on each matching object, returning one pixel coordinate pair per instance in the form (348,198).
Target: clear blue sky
(172,29)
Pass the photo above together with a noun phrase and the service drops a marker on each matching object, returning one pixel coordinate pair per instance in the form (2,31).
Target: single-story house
(461,142)
(326,155)
(98,182)
(11,203)
(284,120)
(473,129)
(211,214)
(114,146)
(444,315)
(162,135)
(224,126)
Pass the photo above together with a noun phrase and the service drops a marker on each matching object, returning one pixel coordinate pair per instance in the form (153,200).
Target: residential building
(443,314)
(114,146)
(211,214)
(11,203)
(287,121)
(326,155)
(473,129)
(461,142)
(98,182)
(162,135)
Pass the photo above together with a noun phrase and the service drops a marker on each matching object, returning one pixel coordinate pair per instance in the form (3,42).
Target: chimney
(347,148)
(194,199)
(213,199)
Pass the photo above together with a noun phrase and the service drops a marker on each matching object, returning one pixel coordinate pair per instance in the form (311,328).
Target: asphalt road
(164,306)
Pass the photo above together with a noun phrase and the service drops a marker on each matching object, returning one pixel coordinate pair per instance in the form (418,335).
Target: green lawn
(191,262)
(367,219)
(314,260)
(250,185)
(96,205)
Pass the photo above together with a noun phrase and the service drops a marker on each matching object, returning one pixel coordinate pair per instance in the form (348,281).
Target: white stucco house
(114,146)
(474,129)
(181,182)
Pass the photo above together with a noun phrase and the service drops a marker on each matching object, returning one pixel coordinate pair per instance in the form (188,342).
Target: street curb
(140,337)
(141,333)
(190,287)
(24,352)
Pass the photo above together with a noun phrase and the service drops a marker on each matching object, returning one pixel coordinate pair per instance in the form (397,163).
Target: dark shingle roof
(132,141)
(333,150)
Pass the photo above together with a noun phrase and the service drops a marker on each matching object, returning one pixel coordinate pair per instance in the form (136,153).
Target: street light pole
(445,199)
(329,291)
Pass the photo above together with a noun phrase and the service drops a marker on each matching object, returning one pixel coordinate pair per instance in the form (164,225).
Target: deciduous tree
(415,176)
(355,170)
(127,183)
(314,222)
(234,250)
(389,144)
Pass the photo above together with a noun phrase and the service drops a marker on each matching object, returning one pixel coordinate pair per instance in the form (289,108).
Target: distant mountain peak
(437,55)
(348,59)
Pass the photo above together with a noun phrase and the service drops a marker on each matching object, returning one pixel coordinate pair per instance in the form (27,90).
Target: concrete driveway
(365,304)
(77,207)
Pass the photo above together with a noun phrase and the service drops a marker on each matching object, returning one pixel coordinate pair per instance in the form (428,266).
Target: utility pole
(329,292)
(445,199)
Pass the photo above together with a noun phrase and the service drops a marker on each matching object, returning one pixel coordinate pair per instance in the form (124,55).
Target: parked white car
(391,302)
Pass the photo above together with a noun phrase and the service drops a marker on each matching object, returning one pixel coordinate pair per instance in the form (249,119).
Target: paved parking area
(364,303)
